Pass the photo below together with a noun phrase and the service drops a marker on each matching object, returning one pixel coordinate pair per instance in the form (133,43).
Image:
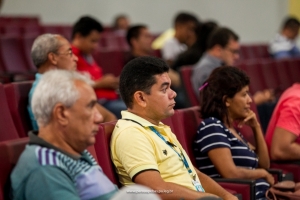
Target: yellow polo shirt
(136,148)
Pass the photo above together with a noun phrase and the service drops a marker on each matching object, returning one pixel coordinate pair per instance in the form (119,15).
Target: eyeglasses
(69,52)
(234,51)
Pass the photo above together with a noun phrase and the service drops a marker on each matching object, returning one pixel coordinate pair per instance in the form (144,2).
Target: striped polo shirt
(56,174)
(212,134)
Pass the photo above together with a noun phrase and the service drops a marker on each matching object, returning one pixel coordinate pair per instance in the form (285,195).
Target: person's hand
(264,96)
(270,179)
(110,81)
(250,120)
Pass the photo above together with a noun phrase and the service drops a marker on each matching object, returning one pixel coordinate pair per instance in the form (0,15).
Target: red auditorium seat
(10,152)
(27,42)
(102,148)
(254,51)
(109,42)
(10,30)
(54,29)
(17,100)
(7,127)
(261,51)
(281,66)
(186,74)
(253,70)
(293,67)
(270,74)
(66,31)
(110,61)
(12,57)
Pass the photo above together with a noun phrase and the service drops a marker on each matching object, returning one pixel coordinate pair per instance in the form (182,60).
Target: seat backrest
(186,122)
(111,62)
(10,152)
(281,66)
(17,100)
(11,54)
(27,42)
(7,127)
(102,148)
(186,74)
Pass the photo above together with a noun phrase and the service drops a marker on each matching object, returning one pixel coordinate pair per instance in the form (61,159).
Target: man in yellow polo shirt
(144,150)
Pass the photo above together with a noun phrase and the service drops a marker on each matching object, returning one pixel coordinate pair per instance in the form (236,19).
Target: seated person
(284,44)
(121,25)
(139,39)
(283,132)
(195,52)
(143,149)
(50,51)
(220,150)
(184,25)
(85,37)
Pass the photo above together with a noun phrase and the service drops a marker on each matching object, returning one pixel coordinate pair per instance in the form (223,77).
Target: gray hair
(42,46)
(55,86)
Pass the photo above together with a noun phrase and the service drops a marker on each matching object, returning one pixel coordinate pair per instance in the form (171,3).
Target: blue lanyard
(186,164)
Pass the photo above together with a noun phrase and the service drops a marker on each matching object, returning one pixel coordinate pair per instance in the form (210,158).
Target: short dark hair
(291,23)
(134,32)
(138,75)
(183,18)
(221,36)
(223,81)
(85,25)
(203,32)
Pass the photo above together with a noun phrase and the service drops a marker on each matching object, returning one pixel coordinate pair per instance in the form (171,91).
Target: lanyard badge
(195,182)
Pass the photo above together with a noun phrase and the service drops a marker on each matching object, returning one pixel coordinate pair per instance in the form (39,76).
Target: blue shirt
(32,118)
(213,134)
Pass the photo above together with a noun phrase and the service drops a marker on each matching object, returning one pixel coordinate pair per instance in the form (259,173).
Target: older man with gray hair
(55,164)
(52,51)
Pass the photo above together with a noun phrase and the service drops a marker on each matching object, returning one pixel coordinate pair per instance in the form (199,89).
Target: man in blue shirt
(284,44)
(51,51)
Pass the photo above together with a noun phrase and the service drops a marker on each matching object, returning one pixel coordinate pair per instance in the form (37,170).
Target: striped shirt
(212,134)
(56,174)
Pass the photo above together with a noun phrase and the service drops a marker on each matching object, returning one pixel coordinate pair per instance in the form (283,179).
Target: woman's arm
(223,162)
(261,148)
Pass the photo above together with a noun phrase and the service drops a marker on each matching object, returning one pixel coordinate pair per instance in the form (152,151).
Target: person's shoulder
(211,122)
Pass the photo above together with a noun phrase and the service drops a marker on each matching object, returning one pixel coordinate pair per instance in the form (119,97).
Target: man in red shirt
(85,37)
(283,132)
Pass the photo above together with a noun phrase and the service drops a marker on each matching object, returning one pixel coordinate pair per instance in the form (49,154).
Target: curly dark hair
(223,82)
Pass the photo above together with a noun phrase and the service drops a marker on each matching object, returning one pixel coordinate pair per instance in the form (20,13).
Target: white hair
(42,46)
(55,86)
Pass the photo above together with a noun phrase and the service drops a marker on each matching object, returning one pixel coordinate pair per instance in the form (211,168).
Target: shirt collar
(140,120)
(34,139)
(38,76)
(216,61)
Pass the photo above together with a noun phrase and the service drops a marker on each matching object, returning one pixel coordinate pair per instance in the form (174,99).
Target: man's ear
(52,58)
(140,98)
(77,36)
(133,42)
(61,114)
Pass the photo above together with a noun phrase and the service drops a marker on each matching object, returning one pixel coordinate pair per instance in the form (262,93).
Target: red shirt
(286,114)
(96,73)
